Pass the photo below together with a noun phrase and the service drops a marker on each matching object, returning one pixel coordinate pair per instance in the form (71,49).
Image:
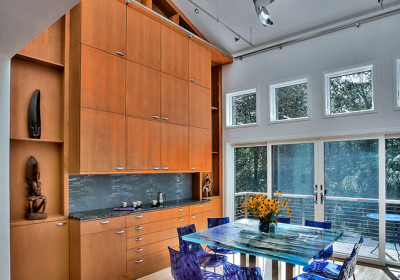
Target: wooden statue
(36,201)
(207,186)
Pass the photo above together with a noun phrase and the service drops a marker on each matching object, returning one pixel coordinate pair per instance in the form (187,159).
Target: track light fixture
(262,12)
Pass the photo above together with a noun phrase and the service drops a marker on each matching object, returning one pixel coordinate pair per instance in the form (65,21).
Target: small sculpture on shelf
(36,207)
(34,121)
(207,186)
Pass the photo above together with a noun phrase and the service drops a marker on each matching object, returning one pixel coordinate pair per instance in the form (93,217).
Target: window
(349,91)
(398,83)
(241,108)
(289,100)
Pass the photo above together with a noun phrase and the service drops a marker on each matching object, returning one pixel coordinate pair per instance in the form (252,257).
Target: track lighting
(262,12)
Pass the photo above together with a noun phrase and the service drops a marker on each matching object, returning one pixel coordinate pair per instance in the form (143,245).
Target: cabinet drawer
(148,264)
(144,218)
(157,226)
(204,207)
(102,225)
(200,220)
(145,239)
(152,248)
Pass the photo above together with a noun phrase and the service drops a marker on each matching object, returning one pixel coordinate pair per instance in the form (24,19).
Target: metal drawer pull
(193,217)
(180,219)
(139,228)
(193,168)
(180,209)
(60,224)
(119,168)
(192,80)
(120,53)
(156,117)
(139,261)
(104,222)
(165,119)
(201,206)
(139,216)
(165,168)
(156,168)
(139,250)
(139,239)
(120,232)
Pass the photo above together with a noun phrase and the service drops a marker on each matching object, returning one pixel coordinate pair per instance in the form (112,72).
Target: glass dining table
(292,244)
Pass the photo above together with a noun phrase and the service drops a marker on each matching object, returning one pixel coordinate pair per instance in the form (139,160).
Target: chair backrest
(214,222)
(349,265)
(187,246)
(283,220)
(311,223)
(184,266)
(234,272)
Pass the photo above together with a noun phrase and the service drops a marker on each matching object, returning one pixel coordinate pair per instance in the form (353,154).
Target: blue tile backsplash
(91,192)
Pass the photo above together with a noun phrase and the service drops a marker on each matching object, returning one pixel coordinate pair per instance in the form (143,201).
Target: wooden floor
(362,273)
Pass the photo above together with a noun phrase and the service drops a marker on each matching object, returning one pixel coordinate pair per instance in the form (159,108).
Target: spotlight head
(196,11)
(262,12)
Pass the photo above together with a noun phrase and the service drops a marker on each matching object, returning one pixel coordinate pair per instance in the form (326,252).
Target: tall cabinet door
(174,99)
(174,53)
(102,141)
(143,90)
(104,25)
(200,149)
(199,64)
(143,39)
(142,144)
(40,251)
(174,147)
(102,81)
(199,106)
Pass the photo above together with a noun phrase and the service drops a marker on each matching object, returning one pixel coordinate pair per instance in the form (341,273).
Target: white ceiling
(22,20)
(290,17)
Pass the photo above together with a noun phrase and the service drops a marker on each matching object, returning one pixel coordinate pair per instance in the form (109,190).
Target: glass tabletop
(290,243)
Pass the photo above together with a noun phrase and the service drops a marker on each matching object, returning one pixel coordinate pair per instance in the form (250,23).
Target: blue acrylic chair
(204,259)
(283,220)
(184,266)
(234,272)
(214,222)
(325,255)
(326,270)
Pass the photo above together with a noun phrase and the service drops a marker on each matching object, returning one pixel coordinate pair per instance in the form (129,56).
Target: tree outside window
(242,108)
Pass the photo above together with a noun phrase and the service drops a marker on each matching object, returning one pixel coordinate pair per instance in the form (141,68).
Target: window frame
(396,73)
(229,103)
(347,71)
(272,100)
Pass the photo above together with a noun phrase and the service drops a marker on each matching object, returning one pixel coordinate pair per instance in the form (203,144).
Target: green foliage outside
(393,168)
(291,102)
(351,93)
(244,109)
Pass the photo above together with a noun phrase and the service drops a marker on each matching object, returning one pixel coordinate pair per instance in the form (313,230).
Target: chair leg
(354,277)
(333,259)
(233,258)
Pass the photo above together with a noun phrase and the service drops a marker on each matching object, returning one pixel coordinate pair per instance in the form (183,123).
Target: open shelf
(214,108)
(215,153)
(24,222)
(40,61)
(38,140)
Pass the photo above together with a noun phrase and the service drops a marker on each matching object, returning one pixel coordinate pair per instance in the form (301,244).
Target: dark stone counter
(109,213)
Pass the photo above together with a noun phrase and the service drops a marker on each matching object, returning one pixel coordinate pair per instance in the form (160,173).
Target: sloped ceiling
(290,17)
(21,21)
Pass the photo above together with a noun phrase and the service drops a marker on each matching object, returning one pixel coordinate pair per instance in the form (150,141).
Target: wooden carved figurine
(36,201)
(207,186)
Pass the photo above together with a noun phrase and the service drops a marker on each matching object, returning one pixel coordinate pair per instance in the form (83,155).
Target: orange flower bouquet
(267,209)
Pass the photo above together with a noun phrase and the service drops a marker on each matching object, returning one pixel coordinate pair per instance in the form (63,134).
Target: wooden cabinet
(143,91)
(200,149)
(102,25)
(174,53)
(102,81)
(174,99)
(199,64)
(216,208)
(143,39)
(102,141)
(143,141)
(40,251)
(174,147)
(199,106)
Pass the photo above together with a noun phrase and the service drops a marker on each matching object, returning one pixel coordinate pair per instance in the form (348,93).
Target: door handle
(316,194)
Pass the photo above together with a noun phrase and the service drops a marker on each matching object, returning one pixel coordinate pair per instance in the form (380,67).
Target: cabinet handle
(139,250)
(139,261)
(180,209)
(193,217)
(193,168)
(165,119)
(180,219)
(156,168)
(120,232)
(165,168)
(192,80)
(119,168)
(139,239)
(120,53)
(139,216)
(201,206)
(156,117)
(104,222)
(60,224)
(139,228)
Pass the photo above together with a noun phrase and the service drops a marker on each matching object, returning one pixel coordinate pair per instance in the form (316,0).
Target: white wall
(4,167)
(377,41)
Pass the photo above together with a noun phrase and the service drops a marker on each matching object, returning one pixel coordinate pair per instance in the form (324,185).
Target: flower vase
(266,227)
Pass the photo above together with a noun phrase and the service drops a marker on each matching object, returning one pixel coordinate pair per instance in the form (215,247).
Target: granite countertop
(109,213)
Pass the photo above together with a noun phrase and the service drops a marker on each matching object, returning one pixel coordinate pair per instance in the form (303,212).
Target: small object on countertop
(154,202)
(134,204)
(124,204)
(123,209)
(139,203)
